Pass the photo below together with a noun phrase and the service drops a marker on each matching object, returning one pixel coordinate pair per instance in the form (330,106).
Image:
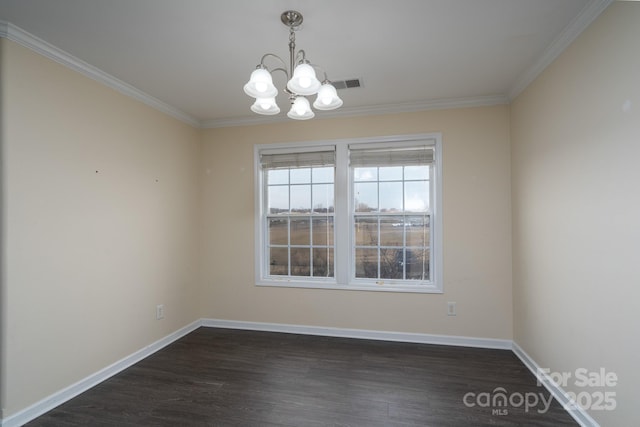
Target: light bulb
(328,98)
(261,86)
(304,82)
(266,106)
(300,110)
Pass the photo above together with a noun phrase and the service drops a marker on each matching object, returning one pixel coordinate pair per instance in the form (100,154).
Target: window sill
(374,287)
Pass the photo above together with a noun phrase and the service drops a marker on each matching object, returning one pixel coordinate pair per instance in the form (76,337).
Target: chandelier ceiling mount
(291,18)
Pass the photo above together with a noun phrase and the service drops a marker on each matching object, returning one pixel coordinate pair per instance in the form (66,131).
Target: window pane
(278,199)
(278,231)
(278,176)
(418,264)
(323,231)
(416,196)
(322,198)
(390,196)
(279,261)
(416,172)
(366,231)
(319,175)
(301,176)
(391,173)
(365,174)
(300,262)
(391,263)
(367,263)
(301,198)
(323,262)
(300,231)
(391,230)
(417,229)
(366,197)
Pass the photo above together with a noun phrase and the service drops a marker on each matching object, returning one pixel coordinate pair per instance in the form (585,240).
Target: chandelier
(302,80)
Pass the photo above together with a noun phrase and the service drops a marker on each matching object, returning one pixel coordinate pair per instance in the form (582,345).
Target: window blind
(297,160)
(405,156)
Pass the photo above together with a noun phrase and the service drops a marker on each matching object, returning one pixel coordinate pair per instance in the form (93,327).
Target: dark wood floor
(221,377)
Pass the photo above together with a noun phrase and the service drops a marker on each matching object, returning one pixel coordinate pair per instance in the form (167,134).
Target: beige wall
(100,224)
(477,230)
(576,209)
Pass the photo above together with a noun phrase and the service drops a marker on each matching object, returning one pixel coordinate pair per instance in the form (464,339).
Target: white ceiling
(195,55)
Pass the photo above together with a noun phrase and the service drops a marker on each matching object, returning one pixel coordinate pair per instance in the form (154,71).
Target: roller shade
(405,156)
(298,160)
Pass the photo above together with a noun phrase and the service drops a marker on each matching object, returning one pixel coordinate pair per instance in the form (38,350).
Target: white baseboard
(361,333)
(58,398)
(68,393)
(580,415)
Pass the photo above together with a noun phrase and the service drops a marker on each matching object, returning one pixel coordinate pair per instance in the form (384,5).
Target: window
(391,216)
(356,214)
(299,213)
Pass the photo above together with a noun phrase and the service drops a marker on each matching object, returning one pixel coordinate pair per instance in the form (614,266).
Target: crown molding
(586,16)
(4,29)
(20,36)
(408,107)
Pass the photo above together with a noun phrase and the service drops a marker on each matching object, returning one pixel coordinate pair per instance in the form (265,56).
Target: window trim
(344,277)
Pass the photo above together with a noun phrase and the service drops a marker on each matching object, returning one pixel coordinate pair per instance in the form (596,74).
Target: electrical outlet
(451,308)
(159,311)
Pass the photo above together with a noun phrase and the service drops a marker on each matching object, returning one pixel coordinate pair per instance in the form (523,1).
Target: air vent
(346,84)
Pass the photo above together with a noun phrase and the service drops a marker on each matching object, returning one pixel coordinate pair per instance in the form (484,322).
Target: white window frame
(344,272)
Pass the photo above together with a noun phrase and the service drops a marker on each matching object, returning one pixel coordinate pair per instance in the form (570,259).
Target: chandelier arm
(273,55)
(284,70)
(304,57)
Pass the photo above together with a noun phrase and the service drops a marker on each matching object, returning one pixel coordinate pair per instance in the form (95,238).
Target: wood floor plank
(221,377)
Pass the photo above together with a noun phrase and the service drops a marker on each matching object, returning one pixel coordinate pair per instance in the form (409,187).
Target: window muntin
(398,246)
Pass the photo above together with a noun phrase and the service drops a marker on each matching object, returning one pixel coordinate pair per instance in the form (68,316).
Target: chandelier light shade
(301,80)
(300,109)
(304,81)
(266,106)
(260,84)
(328,98)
